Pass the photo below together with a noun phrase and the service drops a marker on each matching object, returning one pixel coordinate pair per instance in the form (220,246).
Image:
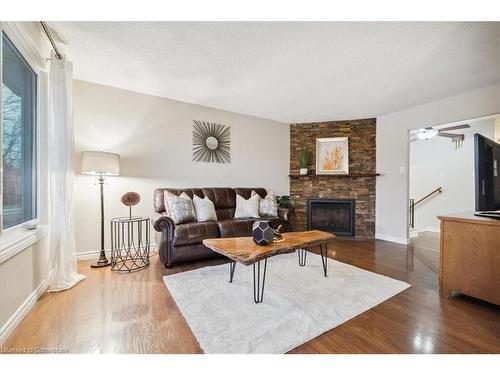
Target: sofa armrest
(166,226)
(285,213)
(161,222)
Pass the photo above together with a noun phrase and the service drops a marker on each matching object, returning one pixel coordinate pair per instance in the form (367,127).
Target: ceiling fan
(430,132)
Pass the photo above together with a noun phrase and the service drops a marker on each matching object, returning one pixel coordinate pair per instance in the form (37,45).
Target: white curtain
(62,259)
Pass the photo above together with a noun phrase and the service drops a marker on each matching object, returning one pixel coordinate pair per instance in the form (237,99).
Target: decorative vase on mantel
(304,157)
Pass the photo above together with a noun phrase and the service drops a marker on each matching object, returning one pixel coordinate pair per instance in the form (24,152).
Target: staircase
(412,203)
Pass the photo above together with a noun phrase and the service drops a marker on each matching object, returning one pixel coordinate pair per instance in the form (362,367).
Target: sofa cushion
(205,210)
(194,233)
(247,208)
(268,206)
(222,197)
(159,196)
(224,200)
(180,209)
(235,227)
(224,213)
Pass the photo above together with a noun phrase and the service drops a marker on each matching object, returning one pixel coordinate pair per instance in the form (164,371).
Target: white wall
(393,151)
(435,163)
(24,279)
(154,138)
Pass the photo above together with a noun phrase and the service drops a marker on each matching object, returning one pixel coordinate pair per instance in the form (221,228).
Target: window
(19,93)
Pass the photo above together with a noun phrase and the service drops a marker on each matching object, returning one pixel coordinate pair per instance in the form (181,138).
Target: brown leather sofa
(183,242)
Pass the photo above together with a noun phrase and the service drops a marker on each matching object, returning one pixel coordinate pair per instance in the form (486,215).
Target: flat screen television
(487,180)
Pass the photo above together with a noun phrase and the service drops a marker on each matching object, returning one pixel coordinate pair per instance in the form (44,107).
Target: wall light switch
(401,169)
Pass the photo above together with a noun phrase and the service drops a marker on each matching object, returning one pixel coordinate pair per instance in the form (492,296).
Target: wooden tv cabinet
(470,256)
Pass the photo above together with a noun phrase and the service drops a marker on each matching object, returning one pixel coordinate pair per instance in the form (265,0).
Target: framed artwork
(211,142)
(332,155)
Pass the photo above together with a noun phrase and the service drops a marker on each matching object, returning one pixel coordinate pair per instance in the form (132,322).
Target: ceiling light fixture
(426,134)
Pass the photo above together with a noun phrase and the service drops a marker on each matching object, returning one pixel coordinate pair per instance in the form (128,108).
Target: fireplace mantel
(350,175)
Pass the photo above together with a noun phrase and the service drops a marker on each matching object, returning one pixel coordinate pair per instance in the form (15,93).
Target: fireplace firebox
(332,215)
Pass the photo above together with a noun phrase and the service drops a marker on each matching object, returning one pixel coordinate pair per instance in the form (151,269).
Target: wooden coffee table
(243,250)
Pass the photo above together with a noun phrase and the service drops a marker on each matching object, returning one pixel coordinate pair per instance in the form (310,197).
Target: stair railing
(412,203)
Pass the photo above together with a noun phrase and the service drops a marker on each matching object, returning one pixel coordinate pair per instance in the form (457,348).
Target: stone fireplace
(332,215)
(358,185)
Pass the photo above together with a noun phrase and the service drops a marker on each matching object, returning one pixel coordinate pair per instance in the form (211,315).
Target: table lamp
(101,164)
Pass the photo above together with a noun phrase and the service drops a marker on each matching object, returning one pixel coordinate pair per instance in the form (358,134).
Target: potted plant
(304,157)
(285,207)
(285,202)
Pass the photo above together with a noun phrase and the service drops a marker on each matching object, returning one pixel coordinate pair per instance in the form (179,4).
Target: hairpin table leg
(324,258)
(302,253)
(258,284)
(232,266)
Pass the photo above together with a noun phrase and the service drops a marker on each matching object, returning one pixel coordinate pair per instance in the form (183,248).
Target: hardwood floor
(134,313)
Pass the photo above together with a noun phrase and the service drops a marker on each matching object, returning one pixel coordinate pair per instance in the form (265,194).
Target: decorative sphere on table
(262,232)
(131,198)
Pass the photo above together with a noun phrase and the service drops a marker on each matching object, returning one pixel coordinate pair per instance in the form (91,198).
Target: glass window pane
(18,137)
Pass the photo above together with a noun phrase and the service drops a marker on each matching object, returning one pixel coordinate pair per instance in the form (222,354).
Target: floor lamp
(101,164)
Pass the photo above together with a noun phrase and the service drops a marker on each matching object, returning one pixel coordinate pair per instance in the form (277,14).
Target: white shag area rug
(299,302)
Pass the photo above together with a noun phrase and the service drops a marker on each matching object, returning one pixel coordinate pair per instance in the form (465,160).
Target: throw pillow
(246,208)
(205,209)
(165,203)
(180,209)
(268,207)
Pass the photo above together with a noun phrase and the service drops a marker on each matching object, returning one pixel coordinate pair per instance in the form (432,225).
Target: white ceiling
(286,71)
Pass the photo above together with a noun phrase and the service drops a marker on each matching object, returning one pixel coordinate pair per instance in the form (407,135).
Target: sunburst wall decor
(211,142)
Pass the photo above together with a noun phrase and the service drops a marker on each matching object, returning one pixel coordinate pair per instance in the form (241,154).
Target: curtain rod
(47,32)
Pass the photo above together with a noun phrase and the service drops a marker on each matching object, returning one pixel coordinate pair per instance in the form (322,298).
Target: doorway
(441,177)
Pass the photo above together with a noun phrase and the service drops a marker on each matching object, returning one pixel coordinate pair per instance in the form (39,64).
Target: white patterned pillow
(180,209)
(205,209)
(268,207)
(165,203)
(246,208)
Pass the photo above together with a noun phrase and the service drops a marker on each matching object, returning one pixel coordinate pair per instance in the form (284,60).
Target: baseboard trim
(400,240)
(86,255)
(413,234)
(22,311)
(430,229)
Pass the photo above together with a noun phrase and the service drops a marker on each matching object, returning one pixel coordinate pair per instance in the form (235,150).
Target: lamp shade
(97,162)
